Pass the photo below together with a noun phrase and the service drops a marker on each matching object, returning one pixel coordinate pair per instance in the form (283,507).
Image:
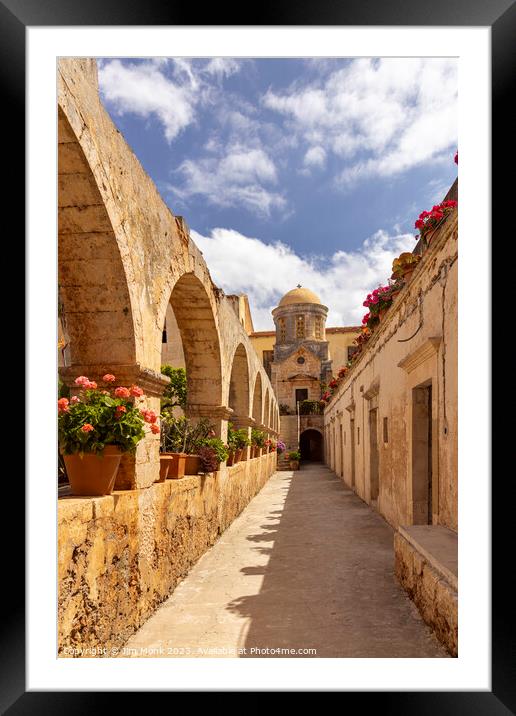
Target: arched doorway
(310,445)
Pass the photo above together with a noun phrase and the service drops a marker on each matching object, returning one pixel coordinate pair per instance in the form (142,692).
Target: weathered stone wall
(435,597)
(121,555)
(415,346)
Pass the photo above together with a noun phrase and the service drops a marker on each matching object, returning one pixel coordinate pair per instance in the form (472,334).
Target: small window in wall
(358,436)
(386,430)
(300,326)
(282,329)
(301,394)
(164,334)
(318,328)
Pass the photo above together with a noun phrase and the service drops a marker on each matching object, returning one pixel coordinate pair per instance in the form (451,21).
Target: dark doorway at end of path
(310,445)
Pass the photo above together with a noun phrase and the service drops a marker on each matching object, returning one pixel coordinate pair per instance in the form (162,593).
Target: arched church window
(300,326)
(282,329)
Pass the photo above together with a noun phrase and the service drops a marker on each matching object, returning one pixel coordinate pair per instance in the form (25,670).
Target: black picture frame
(500,15)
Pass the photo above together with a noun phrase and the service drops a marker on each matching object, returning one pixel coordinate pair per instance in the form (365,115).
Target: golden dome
(299,295)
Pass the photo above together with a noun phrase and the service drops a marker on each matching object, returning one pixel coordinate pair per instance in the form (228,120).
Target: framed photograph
(253,251)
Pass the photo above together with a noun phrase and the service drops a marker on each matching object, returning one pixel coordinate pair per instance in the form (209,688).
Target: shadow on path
(328,583)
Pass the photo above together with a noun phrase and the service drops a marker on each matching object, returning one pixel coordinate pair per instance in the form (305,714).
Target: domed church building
(299,357)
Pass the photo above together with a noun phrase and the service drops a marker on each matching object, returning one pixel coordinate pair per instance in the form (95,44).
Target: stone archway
(201,347)
(257,400)
(311,445)
(239,385)
(94,302)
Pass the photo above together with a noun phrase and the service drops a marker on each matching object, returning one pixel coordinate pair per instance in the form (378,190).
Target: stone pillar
(218,414)
(141,469)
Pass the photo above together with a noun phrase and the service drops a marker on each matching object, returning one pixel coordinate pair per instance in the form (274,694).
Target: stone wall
(415,347)
(434,593)
(121,555)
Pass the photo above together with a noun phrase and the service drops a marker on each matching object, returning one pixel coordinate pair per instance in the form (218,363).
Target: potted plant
(257,441)
(173,444)
(214,452)
(238,441)
(233,452)
(429,221)
(242,443)
(403,267)
(280,447)
(294,458)
(180,440)
(96,427)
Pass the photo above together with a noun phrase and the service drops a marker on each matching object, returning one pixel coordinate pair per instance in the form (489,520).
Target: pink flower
(62,405)
(81,380)
(456,158)
(87,428)
(154,428)
(120,410)
(108,378)
(149,416)
(90,385)
(136,391)
(122,392)
(74,399)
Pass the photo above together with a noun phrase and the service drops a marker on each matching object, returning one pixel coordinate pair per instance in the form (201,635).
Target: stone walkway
(307,565)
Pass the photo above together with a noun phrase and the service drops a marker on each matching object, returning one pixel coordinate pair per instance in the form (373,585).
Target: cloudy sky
(290,171)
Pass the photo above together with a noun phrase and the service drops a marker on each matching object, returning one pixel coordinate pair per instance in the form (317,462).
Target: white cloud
(382,116)
(144,90)
(315,157)
(342,281)
(233,179)
(222,66)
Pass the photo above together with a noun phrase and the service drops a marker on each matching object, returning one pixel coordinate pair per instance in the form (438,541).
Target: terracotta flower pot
(243,455)
(93,475)
(381,313)
(231,458)
(238,454)
(192,464)
(164,465)
(408,274)
(294,465)
(177,465)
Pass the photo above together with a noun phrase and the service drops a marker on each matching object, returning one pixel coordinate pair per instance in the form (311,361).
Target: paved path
(307,565)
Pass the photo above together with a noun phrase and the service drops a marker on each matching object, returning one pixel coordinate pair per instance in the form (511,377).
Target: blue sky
(291,171)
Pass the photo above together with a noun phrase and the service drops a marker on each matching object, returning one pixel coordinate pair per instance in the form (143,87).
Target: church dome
(299,295)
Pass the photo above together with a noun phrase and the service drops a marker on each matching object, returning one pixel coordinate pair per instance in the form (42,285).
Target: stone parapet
(426,567)
(121,555)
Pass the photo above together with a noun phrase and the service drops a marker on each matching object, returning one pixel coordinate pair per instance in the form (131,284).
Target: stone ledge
(438,545)
(426,567)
